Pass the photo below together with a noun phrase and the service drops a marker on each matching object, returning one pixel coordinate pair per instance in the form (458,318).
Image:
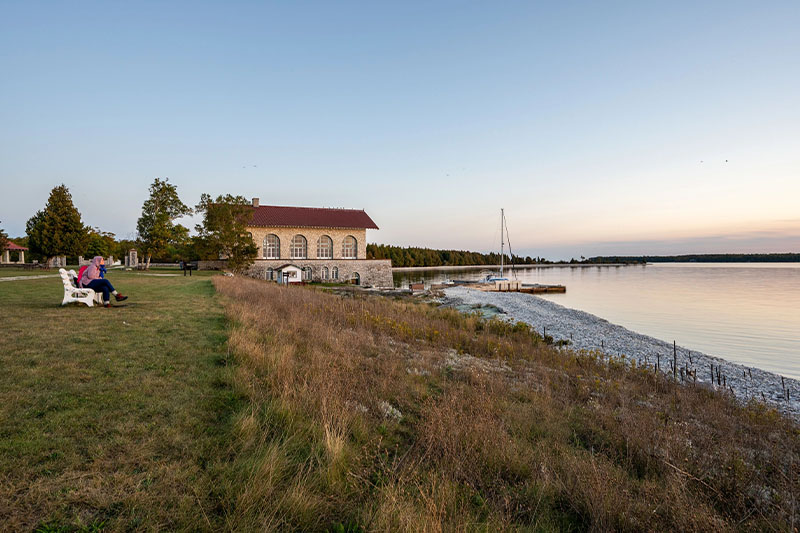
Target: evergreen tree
(156,226)
(423,257)
(57,229)
(223,233)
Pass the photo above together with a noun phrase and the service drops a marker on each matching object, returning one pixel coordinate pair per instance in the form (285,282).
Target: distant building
(315,244)
(5,256)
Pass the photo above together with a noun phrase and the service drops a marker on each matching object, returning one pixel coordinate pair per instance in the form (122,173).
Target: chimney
(255,202)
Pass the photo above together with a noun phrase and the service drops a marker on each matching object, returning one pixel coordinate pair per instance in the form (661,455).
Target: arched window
(272,247)
(307,274)
(324,247)
(324,272)
(270,274)
(355,279)
(349,247)
(299,247)
(335,273)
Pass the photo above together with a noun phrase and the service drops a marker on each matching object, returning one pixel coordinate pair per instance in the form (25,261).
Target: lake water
(748,313)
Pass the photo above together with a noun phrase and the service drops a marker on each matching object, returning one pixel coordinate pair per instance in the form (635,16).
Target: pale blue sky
(587,122)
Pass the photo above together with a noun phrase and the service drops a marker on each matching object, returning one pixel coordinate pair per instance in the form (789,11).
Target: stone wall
(373,272)
(312,235)
(212,265)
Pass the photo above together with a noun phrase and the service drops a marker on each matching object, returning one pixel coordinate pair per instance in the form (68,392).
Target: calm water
(744,312)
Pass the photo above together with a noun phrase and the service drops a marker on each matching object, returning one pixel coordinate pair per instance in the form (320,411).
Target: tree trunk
(147,264)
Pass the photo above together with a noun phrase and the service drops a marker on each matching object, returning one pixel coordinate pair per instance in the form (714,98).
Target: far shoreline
(489,267)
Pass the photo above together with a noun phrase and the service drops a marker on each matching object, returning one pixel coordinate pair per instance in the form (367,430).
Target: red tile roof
(15,247)
(311,217)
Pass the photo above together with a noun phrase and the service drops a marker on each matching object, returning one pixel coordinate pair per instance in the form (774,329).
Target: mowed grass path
(114,418)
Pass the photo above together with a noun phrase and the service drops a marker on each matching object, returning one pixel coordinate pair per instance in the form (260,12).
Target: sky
(600,127)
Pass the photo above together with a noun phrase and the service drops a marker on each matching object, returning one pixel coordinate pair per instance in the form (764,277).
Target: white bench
(72,293)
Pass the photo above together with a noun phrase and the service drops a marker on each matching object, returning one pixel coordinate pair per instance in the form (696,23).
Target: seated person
(92,279)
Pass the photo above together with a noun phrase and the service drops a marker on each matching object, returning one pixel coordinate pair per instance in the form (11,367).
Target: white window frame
(345,247)
(296,247)
(272,250)
(327,242)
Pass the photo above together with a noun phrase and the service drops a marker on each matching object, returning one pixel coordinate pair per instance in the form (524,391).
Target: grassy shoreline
(394,416)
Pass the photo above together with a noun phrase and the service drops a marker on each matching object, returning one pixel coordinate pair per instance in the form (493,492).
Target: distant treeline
(427,257)
(699,258)
(412,256)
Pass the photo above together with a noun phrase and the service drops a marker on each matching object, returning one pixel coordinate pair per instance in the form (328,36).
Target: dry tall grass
(369,413)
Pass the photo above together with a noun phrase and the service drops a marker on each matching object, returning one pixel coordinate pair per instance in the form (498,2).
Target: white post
(6,256)
(22,256)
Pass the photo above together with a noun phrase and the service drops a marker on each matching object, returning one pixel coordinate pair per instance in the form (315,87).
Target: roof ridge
(310,207)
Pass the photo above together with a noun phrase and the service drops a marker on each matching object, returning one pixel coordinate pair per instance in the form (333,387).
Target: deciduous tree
(223,233)
(156,226)
(57,229)
(3,241)
(101,243)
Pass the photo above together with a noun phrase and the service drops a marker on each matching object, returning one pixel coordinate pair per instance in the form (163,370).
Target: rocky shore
(587,332)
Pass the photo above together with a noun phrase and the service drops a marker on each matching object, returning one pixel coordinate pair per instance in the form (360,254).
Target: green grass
(113,418)
(8,272)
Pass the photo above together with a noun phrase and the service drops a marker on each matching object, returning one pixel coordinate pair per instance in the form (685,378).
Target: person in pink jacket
(92,278)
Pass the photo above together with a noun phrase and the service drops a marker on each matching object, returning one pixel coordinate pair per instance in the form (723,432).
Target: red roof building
(269,216)
(13,247)
(5,256)
(322,244)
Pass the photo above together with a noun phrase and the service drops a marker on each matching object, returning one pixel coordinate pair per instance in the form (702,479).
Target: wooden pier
(517,286)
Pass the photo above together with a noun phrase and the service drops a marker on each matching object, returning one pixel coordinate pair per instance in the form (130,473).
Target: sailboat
(491,278)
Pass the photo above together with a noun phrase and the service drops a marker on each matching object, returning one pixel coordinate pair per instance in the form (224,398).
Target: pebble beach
(587,332)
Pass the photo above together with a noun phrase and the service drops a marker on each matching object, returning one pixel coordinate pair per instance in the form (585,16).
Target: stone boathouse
(315,244)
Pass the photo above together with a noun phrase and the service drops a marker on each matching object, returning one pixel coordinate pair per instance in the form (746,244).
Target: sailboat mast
(502,241)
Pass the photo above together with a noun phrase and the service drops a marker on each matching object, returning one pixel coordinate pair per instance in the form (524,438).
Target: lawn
(113,417)
(8,272)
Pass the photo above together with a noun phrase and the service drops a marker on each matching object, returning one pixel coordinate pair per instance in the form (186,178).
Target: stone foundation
(372,272)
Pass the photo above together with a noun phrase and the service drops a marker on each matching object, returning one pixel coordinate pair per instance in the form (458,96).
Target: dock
(518,286)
